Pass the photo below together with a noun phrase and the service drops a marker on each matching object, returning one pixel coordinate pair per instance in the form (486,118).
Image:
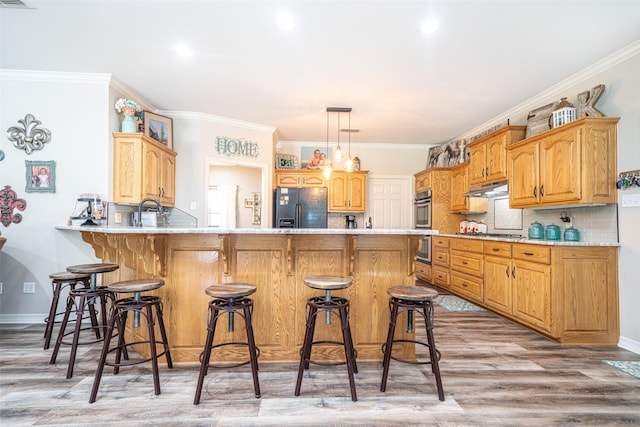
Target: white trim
(559,89)
(629,344)
(217,120)
(53,76)
(28,319)
(362,145)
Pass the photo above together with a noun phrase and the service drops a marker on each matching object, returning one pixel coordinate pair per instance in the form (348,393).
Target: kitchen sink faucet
(142,202)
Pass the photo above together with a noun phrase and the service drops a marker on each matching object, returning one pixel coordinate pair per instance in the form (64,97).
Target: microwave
(422,209)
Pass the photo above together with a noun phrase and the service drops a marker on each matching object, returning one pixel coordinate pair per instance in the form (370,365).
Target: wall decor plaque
(29,137)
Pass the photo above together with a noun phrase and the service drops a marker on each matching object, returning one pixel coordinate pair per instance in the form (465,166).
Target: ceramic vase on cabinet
(129,125)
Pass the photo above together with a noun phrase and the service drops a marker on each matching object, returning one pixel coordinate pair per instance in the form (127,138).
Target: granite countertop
(328,231)
(531,241)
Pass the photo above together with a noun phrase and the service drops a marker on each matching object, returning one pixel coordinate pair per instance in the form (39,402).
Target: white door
(390,202)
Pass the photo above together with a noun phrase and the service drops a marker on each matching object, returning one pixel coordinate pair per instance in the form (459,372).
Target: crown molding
(361,145)
(218,120)
(558,90)
(54,76)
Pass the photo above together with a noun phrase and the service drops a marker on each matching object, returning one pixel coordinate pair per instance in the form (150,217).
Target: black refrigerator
(300,207)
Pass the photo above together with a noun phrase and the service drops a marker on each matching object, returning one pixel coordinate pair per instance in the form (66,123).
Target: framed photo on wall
(159,128)
(40,176)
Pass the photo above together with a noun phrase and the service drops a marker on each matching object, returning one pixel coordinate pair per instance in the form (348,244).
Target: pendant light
(348,164)
(337,155)
(326,171)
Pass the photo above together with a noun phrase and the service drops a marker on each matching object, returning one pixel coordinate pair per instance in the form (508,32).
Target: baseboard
(628,344)
(28,319)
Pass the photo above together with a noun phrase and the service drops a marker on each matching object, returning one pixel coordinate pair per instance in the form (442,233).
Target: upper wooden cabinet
(143,167)
(423,180)
(488,155)
(299,178)
(460,202)
(572,164)
(348,191)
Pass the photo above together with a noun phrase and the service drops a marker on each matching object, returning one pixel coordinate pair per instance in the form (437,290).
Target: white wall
(73,107)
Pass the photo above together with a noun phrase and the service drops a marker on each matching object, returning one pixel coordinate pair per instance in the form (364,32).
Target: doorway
(390,202)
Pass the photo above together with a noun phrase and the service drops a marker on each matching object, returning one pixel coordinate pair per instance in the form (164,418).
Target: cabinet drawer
(423,272)
(467,262)
(440,242)
(468,245)
(466,285)
(533,253)
(501,249)
(441,276)
(441,257)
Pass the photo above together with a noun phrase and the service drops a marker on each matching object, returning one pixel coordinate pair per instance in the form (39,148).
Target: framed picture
(159,128)
(306,153)
(41,176)
(432,158)
(538,120)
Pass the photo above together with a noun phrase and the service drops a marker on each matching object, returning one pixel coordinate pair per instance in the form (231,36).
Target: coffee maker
(351,221)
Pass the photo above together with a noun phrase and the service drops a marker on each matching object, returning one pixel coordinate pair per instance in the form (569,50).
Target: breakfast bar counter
(276,261)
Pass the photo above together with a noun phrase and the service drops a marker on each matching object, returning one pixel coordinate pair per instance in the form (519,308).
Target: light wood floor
(494,373)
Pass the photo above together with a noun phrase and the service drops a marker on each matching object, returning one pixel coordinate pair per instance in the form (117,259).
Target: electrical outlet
(118,217)
(29,288)
(193,206)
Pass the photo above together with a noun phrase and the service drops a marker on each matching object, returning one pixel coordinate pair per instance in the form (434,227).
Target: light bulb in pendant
(348,165)
(327,171)
(338,154)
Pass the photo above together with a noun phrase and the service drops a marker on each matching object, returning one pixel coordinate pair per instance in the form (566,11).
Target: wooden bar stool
(411,299)
(82,300)
(229,298)
(142,306)
(60,281)
(331,305)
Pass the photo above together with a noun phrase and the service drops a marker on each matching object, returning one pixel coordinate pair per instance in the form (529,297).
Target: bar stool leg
(353,348)
(103,355)
(152,347)
(63,326)
(206,354)
(433,355)
(348,351)
(253,355)
(389,345)
(76,336)
(57,287)
(305,353)
(163,334)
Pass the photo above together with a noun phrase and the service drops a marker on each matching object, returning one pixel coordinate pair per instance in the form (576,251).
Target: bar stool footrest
(413,362)
(130,362)
(229,365)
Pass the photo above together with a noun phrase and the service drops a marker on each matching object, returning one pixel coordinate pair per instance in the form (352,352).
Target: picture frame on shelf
(40,176)
(159,128)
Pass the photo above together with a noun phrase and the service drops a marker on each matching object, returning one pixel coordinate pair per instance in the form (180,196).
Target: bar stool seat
(60,281)
(229,298)
(331,305)
(411,299)
(141,306)
(83,300)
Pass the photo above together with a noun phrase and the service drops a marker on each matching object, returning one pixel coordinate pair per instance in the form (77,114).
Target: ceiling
(404,86)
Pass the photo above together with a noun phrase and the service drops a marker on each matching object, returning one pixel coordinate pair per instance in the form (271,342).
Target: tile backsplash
(595,223)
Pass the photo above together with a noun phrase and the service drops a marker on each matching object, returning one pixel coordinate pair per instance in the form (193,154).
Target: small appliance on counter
(351,222)
(552,232)
(90,208)
(571,234)
(536,230)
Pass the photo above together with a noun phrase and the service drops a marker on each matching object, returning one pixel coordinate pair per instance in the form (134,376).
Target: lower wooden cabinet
(568,293)
(424,272)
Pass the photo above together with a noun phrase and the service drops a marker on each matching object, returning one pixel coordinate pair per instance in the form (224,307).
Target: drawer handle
(495,249)
(513,272)
(464,285)
(535,191)
(464,262)
(529,253)
(507,271)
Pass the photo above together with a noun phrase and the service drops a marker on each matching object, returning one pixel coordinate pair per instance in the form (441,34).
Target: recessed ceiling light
(183,51)
(429,26)
(285,21)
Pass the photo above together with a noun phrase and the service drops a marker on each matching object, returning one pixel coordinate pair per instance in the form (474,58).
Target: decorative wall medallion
(29,138)
(8,202)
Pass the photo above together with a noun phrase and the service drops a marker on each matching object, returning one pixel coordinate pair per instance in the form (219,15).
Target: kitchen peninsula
(276,261)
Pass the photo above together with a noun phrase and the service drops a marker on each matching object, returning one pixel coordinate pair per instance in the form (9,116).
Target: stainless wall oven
(422,205)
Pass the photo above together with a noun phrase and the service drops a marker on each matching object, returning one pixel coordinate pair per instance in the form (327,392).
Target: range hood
(495,189)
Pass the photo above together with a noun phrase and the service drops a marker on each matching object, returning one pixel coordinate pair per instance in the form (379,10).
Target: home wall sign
(237,147)
(29,137)
(9,201)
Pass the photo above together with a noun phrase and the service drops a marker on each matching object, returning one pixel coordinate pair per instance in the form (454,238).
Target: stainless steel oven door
(424,254)
(422,207)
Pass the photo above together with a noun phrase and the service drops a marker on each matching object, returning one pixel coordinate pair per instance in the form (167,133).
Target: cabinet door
(496,160)
(532,294)
(459,186)
(168,180)
(477,164)
(357,191)
(286,179)
(497,284)
(523,175)
(151,172)
(560,167)
(422,181)
(312,180)
(338,193)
